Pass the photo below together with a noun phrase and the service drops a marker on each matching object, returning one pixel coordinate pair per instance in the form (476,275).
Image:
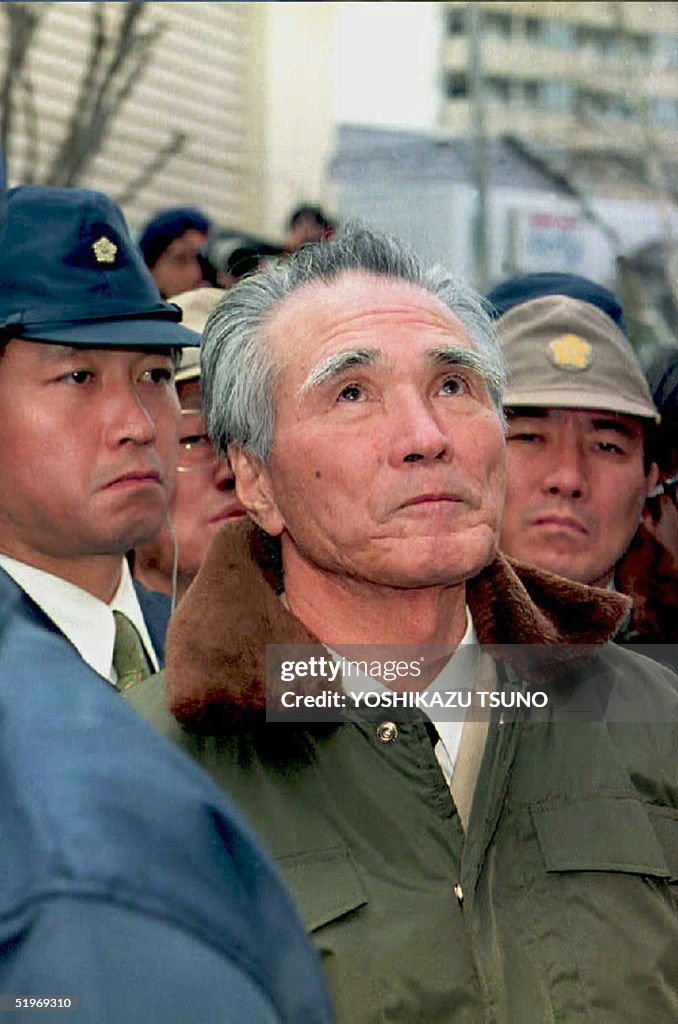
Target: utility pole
(474,14)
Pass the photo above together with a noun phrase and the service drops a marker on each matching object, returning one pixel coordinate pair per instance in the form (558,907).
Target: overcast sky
(387,63)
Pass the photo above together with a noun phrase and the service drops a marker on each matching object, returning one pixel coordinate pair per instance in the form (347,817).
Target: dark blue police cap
(517,290)
(70,274)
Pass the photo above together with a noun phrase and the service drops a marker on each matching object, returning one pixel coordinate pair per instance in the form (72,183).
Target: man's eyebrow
(339,362)
(334,365)
(620,426)
(56,353)
(464,357)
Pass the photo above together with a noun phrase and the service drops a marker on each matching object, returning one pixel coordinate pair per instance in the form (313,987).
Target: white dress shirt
(459,674)
(85,620)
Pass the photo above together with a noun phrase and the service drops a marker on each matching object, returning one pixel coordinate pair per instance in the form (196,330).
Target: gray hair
(239,375)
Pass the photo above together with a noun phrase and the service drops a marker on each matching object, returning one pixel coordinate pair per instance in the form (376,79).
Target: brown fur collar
(216,645)
(647,573)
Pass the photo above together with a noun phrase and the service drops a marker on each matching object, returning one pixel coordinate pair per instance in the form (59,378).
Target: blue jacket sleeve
(117,965)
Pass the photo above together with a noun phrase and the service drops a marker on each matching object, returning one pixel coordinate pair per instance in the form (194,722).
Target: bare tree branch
(122,47)
(136,59)
(569,186)
(116,62)
(68,152)
(175,144)
(32,134)
(22,21)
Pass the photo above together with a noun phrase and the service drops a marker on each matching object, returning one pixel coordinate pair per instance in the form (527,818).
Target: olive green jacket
(558,903)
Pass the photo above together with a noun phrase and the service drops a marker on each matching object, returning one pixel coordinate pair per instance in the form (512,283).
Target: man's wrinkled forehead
(352,313)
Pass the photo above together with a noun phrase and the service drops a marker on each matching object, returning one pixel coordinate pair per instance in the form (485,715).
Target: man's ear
(652,477)
(254,489)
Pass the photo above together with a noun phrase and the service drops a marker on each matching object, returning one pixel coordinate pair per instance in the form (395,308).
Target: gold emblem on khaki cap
(104,250)
(570,352)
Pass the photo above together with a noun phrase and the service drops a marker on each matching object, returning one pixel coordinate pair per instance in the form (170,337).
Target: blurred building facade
(548,140)
(583,81)
(532,114)
(246,87)
(422,186)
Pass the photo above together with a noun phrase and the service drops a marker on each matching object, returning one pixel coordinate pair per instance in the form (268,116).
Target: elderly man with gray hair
(452,865)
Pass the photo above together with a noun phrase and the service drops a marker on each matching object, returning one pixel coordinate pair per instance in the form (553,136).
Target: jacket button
(387,732)
(459,893)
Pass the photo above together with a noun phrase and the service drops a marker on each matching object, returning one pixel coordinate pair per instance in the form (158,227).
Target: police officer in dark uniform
(89,419)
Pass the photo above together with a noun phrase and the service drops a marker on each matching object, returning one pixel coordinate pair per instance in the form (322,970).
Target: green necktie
(129,658)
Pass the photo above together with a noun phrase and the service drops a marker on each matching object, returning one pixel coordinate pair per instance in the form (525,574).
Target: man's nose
(567,473)
(417,432)
(222,476)
(130,419)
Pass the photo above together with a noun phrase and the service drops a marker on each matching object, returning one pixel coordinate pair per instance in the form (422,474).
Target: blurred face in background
(576,489)
(204,499)
(178,268)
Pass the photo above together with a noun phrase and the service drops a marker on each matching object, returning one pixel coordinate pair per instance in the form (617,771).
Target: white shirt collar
(85,620)
(455,675)
(459,674)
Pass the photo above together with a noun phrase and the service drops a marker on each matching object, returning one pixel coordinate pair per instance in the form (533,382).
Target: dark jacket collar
(216,644)
(156,609)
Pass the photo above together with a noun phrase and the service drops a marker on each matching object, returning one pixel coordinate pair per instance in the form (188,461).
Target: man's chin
(445,564)
(573,569)
(134,534)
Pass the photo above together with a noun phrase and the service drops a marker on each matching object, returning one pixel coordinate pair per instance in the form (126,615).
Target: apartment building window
(531,92)
(498,90)
(618,108)
(640,45)
(456,85)
(603,104)
(456,22)
(600,41)
(497,24)
(585,101)
(534,28)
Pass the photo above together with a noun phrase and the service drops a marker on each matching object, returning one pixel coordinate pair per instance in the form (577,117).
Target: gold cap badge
(570,352)
(104,250)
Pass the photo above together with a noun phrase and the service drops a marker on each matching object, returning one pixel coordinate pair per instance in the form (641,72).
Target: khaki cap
(565,353)
(196,305)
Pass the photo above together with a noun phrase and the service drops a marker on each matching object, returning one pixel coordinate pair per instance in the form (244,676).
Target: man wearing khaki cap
(580,423)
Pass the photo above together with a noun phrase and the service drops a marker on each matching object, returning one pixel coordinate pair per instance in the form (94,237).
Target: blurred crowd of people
(228,445)
(183,250)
